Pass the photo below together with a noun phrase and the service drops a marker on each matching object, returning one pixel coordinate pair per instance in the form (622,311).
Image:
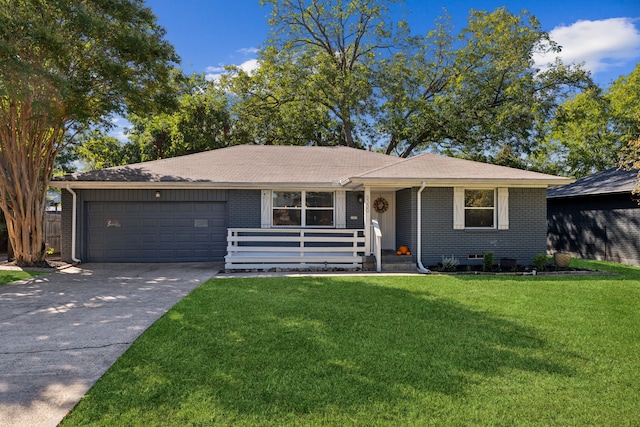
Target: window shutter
(458,208)
(341,209)
(265,210)
(503,208)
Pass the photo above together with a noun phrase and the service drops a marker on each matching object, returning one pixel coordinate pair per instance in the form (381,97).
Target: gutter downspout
(421,268)
(73,224)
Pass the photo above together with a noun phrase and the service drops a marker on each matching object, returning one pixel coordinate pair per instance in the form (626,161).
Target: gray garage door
(156,231)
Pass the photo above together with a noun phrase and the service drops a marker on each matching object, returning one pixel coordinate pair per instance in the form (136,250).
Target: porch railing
(260,248)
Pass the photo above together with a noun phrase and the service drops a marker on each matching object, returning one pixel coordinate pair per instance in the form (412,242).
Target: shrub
(540,260)
(450,264)
(488,261)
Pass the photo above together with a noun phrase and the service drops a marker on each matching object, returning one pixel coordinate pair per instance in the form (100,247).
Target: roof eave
(463,182)
(185,185)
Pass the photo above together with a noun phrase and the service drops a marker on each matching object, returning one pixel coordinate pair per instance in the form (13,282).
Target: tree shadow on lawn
(273,347)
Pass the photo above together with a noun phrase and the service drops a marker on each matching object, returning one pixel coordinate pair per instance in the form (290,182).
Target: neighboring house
(596,217)
(280,206)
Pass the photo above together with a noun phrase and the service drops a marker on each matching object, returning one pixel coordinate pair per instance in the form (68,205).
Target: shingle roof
(436,167)
(246,165)
(609,181)
(249,164)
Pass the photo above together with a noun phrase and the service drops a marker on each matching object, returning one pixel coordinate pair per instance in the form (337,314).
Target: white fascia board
(466,182)
(159,185)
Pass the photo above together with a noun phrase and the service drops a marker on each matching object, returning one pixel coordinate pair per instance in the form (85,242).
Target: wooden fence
(54,231)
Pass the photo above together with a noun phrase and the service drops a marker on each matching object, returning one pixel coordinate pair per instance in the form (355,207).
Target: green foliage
(590,132)
(98,150)
(383,351)
(341,73)
(625,95)
(450,263)
(581,134)
(317,74)
(65,66)
(9,276)
(488,261)
(481,99)
(201,122)
(540,261)
(99,57)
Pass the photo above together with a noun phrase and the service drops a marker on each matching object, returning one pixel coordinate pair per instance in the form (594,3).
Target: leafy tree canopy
(339,73)
(590,131)
(201,122)
(63,66)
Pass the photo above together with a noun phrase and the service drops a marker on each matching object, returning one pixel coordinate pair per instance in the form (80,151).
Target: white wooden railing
(377,244)
(266,248)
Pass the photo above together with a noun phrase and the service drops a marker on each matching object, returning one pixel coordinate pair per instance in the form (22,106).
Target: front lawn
(8,276)
(367,351)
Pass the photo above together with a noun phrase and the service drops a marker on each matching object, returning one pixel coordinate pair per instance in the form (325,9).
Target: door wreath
(380,205)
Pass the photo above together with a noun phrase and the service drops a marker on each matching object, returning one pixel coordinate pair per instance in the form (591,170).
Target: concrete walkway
(60,332)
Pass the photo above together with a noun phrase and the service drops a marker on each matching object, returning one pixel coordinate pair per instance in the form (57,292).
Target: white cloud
(212,69)
(250,65)
(214,73)
(600,45)
(248,50)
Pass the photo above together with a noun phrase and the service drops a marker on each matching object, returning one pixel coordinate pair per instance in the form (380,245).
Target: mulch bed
(519,270)
(47,264)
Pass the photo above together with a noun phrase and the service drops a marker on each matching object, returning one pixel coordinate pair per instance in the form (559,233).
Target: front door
(383,209)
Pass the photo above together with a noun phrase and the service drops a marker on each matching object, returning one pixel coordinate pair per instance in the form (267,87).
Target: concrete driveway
(60,332)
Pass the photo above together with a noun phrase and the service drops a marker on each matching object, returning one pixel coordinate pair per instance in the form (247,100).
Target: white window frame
(303,209)
(500,208)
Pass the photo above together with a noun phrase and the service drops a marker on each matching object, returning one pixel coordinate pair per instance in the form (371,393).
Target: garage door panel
(148,222)
(185,207)
(156,231)
(184,222)
(164,222)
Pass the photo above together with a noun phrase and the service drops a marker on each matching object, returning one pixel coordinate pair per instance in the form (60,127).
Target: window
(479,208)
(303,208)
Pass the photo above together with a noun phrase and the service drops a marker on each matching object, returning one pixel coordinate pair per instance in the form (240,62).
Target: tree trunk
(29,141)
(348,133)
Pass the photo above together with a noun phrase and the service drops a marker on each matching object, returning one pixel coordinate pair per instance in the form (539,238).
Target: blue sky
(605,35)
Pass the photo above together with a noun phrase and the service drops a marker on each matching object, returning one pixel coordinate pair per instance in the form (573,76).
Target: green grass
(378,351)
(8,276)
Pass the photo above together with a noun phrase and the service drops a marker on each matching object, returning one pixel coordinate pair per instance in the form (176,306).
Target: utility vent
(476,256)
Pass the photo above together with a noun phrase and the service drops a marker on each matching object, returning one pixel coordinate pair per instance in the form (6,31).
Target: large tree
(590,131)
(315,81)
(65,65)
(477,94)
(340,73)
(624,95)
(200,122)
(630,159)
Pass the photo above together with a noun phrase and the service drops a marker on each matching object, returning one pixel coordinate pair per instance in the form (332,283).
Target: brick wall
(525,238)
(244,208)
(406,214)
(355,210)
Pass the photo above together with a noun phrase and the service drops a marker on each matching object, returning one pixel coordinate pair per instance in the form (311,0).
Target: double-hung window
(481,208)
(303,209)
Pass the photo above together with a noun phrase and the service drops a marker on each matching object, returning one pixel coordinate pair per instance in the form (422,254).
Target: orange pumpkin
(403,250)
